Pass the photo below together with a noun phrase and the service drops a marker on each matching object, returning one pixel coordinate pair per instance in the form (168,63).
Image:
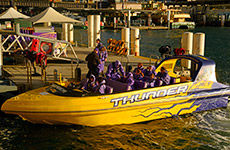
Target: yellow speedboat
(194,89)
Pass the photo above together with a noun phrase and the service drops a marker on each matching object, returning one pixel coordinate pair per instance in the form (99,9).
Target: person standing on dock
(99,44)
(93,62)
(103,55)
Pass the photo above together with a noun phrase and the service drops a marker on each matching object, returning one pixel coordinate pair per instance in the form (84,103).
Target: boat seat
(118,86)
(138,84)
(146,78)
(172,80)
(108,89)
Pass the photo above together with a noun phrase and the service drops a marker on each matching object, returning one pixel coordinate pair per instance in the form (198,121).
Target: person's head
(149,68)
(117,63)
(92,78)
(152,75)
(96,50)
(103,49)
(98,41)
(163,69)
(139,65)
(129,75)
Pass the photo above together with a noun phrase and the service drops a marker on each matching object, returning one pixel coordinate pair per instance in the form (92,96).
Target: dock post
(1,57)
(65,31)
(187,44)
(71,32)
(55,74)
(128,19)
(127,39)
(90,19)
(222,20)
(168,18)
(198,44)
(78,74)
(97,20)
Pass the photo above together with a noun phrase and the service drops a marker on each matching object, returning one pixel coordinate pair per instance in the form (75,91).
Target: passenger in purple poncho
(101,87)
(139,66)
(103,55)
(99,44)
(113,70)
(163,76)
(150,69)
(138,75)
(129,80)
(91,84)
(151,80)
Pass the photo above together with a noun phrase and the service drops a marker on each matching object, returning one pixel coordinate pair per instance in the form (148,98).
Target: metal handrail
(150,59)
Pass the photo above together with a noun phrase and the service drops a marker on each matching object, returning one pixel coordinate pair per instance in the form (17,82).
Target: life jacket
(179,51)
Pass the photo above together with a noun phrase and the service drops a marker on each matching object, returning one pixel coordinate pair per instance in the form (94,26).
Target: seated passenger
(150,69)
(138,75)
(113,70)
(101,86)
(163,76)
(151,81)
(130,80)
(139,66)
(90,85)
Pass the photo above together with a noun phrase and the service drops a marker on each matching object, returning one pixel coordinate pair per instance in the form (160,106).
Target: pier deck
(19,73)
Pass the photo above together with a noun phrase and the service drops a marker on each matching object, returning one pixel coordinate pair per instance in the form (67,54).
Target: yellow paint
(38,106)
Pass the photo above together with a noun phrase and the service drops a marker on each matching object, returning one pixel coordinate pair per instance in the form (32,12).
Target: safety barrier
(117,46)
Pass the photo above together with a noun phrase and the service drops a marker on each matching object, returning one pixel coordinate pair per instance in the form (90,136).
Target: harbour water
(205,130)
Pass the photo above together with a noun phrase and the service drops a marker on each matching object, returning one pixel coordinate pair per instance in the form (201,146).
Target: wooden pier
(18,73)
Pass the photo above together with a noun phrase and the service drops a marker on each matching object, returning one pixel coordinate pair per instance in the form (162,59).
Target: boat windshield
(62,91)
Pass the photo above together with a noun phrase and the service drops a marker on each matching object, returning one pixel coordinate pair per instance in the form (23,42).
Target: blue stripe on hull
(211,103)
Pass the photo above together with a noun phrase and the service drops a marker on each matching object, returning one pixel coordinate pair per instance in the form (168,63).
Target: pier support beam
(204,19)
(149,19)
(97,19)
(168,18)
(114,22)
(187,44)
(1,57)
(198,44)
(71,32)
(129,19)
(222,20)
(90,19)
(123,34)
(65,31)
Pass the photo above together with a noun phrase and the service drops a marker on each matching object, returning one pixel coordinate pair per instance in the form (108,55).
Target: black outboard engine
(165,51)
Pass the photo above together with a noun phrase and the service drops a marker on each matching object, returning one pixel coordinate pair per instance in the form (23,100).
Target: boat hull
(39,106)
(124,116)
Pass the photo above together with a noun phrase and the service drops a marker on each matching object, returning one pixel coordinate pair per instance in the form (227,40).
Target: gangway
(23,44)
